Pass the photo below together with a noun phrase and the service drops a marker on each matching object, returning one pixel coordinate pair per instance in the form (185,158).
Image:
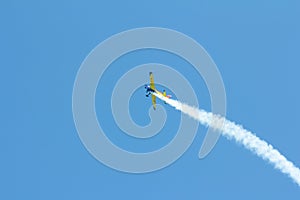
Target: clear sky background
(255,45)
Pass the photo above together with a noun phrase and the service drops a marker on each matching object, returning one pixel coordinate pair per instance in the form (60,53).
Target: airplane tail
(165,94)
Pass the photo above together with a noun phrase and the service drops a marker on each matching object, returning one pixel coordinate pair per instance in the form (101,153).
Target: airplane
(151,89)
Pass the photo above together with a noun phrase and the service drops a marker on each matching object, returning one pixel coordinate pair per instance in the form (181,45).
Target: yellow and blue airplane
(150,89)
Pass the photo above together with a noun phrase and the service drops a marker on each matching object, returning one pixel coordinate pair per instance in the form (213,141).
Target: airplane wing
(154,102)
(152,86)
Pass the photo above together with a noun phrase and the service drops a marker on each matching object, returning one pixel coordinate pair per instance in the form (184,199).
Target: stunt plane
(150,89)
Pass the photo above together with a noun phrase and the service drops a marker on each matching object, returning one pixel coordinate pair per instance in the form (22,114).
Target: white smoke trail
(232,131)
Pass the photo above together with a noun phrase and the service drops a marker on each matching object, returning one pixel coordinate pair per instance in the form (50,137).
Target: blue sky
(254,44)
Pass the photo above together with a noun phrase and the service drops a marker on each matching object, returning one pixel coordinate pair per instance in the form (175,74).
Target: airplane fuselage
(149,90)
